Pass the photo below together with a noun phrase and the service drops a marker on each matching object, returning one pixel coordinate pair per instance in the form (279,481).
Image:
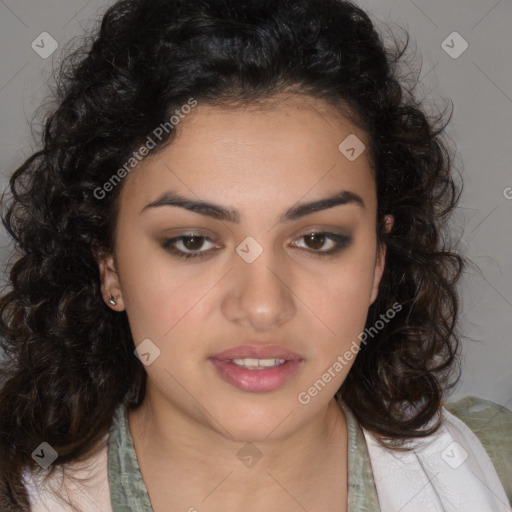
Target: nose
(260,293)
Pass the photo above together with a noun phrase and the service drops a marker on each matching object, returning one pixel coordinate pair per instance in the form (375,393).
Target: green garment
(490,422)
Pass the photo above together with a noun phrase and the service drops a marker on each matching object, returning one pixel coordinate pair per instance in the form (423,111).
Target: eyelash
(341,242)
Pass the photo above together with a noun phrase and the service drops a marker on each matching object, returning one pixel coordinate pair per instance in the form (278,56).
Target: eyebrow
(219,212)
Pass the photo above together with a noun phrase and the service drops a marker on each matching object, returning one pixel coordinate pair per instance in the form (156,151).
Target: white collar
(449,471)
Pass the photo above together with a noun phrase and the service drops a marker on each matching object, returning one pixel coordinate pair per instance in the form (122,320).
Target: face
(254,279)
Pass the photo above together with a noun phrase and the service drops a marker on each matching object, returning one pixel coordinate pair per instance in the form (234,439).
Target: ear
(380,261)
(110,285)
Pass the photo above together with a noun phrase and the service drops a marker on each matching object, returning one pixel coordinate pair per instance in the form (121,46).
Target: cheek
(343,300)
(158,293)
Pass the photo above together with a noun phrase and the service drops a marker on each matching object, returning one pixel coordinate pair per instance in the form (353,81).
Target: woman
(233,291)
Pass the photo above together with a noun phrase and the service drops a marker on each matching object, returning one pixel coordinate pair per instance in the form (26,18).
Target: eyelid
(318,228)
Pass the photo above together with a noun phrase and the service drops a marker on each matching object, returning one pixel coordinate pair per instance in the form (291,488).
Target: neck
(172,443)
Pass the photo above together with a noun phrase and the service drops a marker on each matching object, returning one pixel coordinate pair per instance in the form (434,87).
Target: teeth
(258,364)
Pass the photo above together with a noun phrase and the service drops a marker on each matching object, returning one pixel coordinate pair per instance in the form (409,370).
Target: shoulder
(84,484)
(492,424)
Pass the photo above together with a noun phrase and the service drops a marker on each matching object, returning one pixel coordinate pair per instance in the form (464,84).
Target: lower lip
(256,380)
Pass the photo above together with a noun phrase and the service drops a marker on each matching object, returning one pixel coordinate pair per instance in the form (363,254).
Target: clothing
(116,483)
(445,472)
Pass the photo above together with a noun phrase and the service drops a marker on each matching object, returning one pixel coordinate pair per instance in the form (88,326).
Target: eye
(317,240)
(186,246)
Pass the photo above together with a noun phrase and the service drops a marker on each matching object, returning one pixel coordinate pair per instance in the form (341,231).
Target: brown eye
(190,246)
(317,240)
(193,243)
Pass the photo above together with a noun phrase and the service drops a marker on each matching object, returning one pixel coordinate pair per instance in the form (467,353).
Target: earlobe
(110,285)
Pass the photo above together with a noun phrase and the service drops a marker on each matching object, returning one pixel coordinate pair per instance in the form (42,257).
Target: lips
(257,352)
(256,380)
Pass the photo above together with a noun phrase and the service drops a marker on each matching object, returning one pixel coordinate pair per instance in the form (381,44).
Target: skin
(191,423)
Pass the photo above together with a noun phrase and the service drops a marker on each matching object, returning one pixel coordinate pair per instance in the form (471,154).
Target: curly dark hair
(66,352)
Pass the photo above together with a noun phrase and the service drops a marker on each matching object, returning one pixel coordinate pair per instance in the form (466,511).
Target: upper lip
(256,352)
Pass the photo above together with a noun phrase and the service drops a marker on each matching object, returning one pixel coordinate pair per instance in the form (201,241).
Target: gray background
(479,82)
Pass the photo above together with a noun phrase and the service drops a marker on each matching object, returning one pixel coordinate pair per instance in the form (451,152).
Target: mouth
(257,364)
(256,368)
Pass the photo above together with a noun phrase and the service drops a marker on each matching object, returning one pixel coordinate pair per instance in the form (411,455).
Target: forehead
(285,147)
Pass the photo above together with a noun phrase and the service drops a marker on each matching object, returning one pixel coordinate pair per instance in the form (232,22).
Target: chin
(255,434)
(259,424)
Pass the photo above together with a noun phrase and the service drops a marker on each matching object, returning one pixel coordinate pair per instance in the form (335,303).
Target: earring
(112,301)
